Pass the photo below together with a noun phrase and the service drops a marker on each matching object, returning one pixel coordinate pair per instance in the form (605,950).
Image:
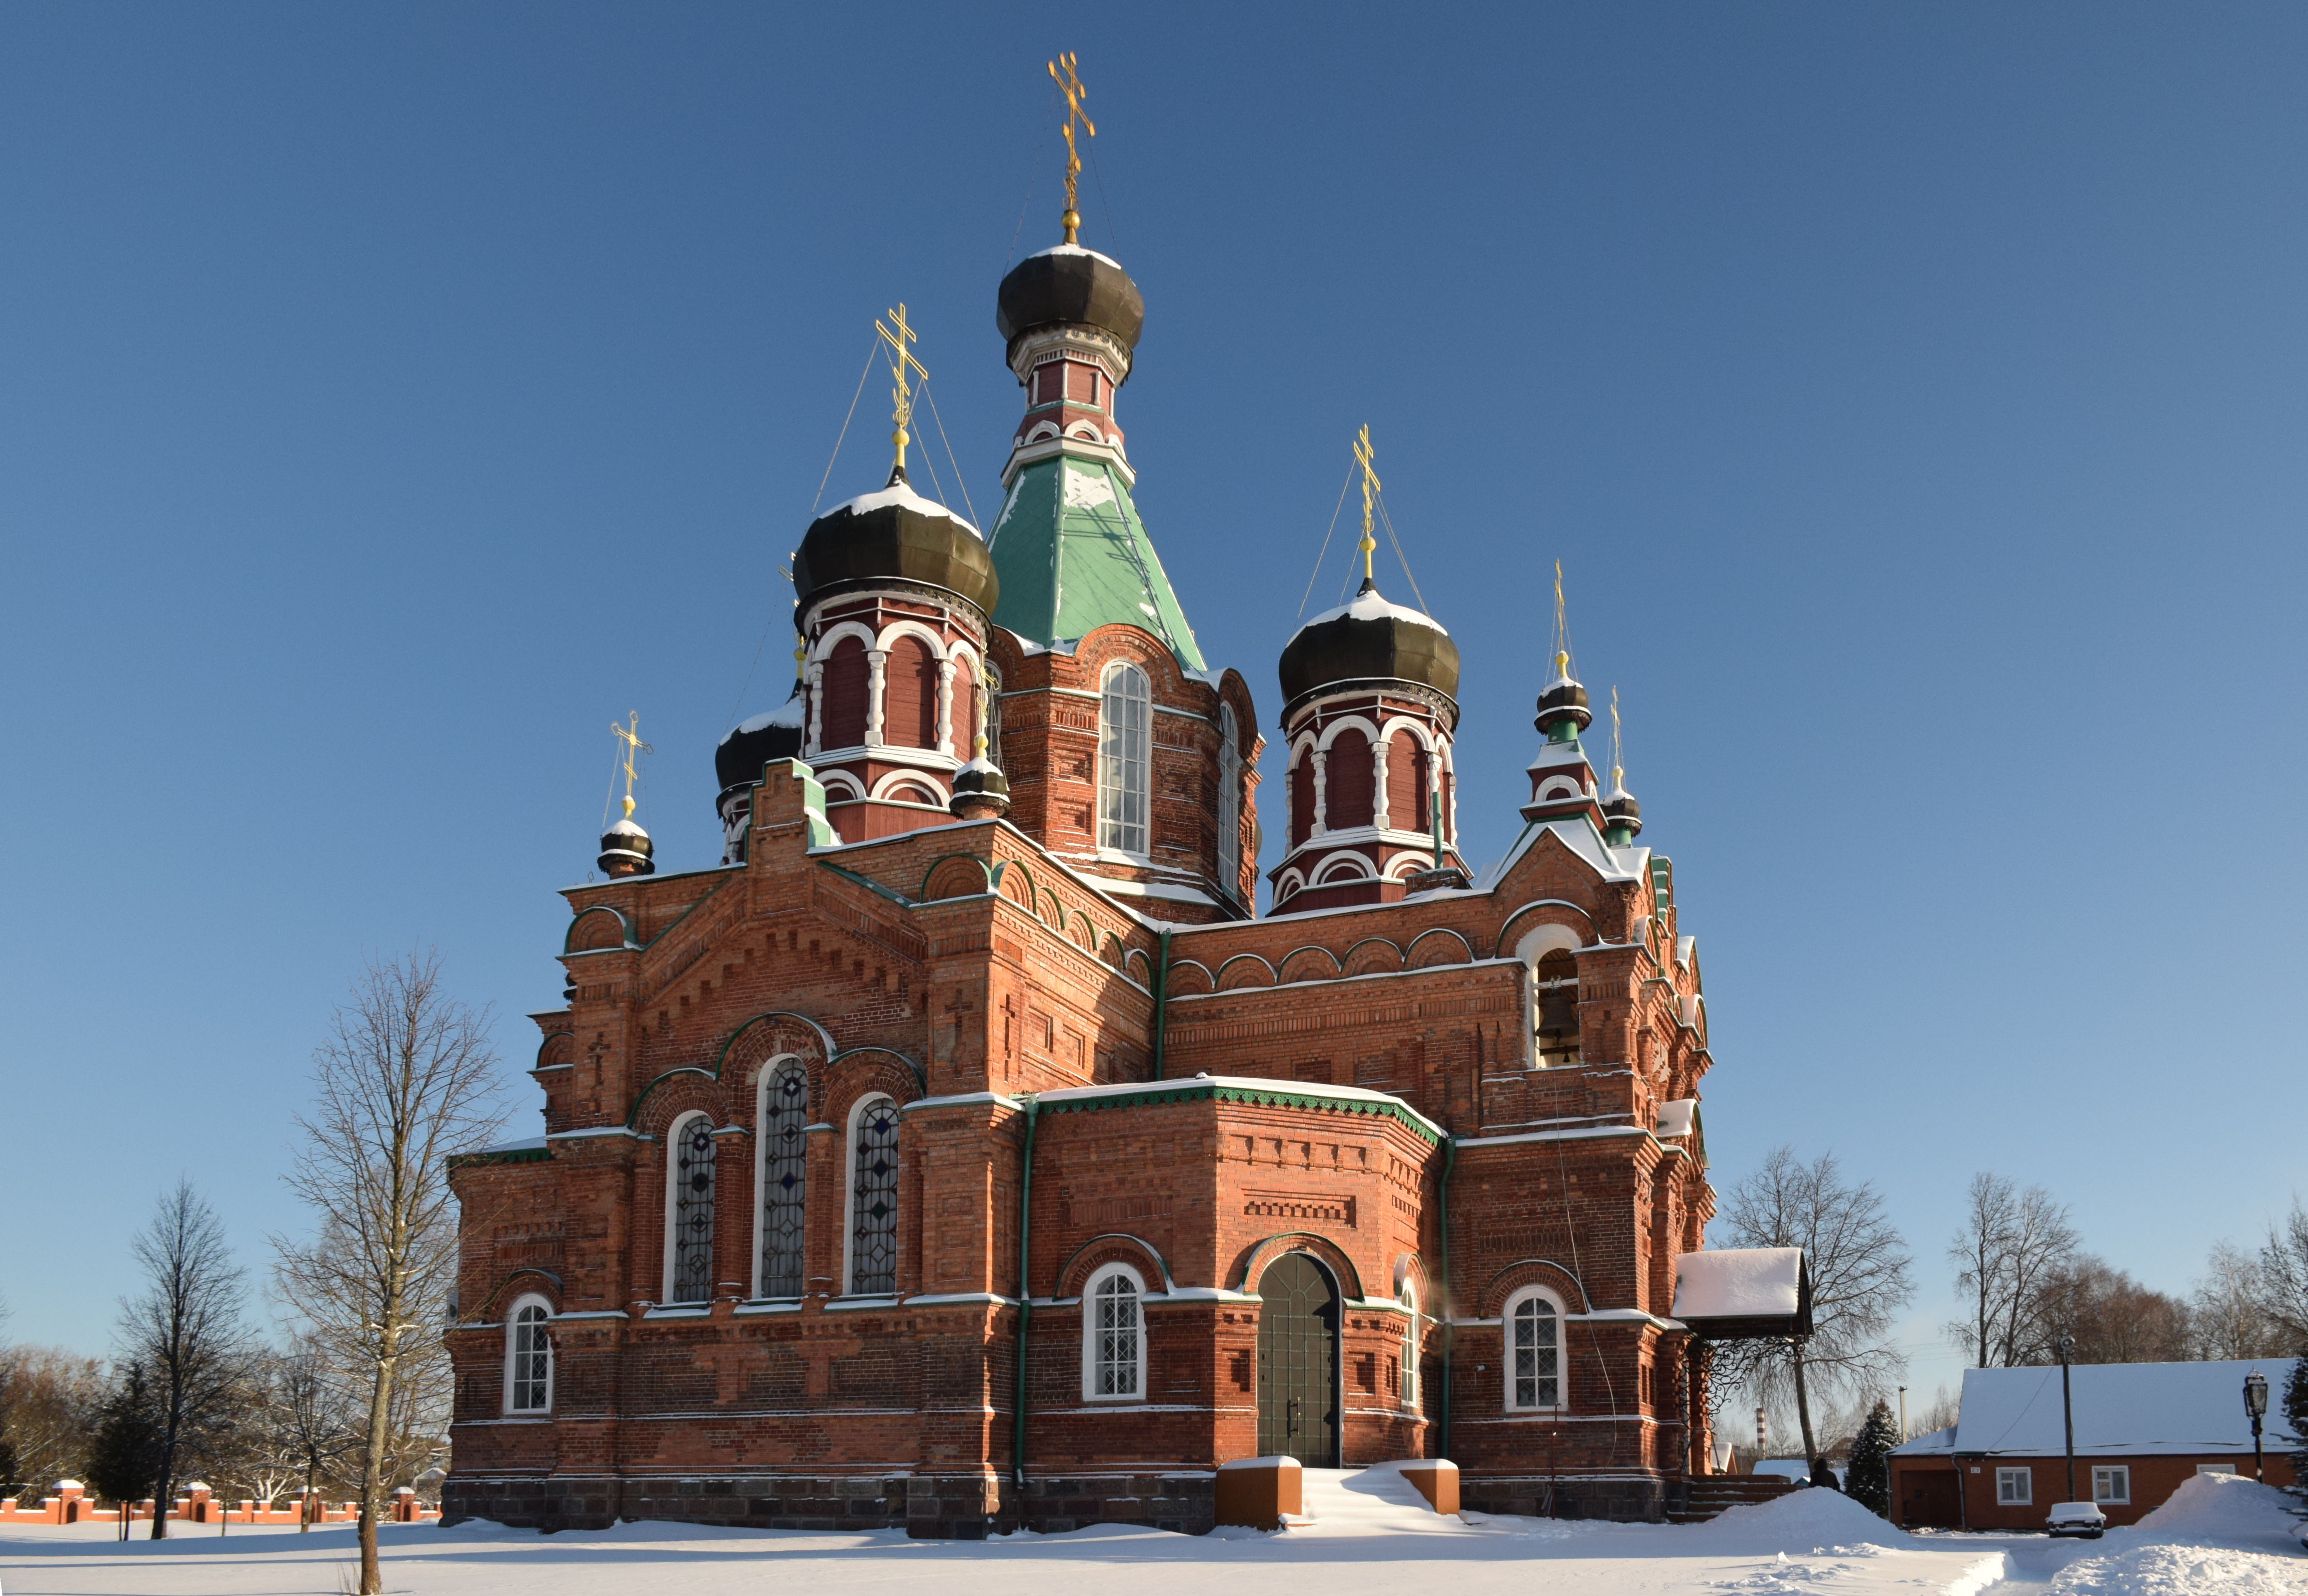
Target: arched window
(961,717)
(689,1209)
(874,1198)
(993,690)
(528,1358)
(843,692)
(1229,802)
(783,1116)
(1410,1346)
(1114,1335)
(1354,782)
(1406,765)
(1302,797)
(1555,991)
(1534,1326)
(910,693)
(1125,753)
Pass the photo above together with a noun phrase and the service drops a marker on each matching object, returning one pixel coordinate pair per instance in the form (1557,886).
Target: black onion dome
(752,744)
(895,533)
(1370,640)
(1069,283)
(1564,699)
(1621,809)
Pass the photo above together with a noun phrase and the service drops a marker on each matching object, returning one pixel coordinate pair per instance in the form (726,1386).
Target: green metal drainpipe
(1161,985)
(1449,1157)
(1025,1304)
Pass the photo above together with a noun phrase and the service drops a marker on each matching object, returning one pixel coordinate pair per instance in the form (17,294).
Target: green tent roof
(1074,556)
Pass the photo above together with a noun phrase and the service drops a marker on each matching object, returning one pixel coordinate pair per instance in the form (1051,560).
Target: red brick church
(963,1151)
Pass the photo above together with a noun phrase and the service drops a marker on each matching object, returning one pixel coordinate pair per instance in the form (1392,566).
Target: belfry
(962,1149)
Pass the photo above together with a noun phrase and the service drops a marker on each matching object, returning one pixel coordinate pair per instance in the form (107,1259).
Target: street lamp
(2255,1404)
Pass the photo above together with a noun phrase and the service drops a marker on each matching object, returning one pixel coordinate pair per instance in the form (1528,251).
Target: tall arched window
(1126,723)
(1410,1346)
(689,1209)
(1354,782)
(1229,802)
(528,1358)
(843,691)
(1534,1326)
(874,1198)
(1302,797)
(1114,1335)
(909,694)
(783,1116)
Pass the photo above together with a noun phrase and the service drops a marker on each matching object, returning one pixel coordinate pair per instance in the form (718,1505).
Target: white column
(876,663)
(816,707)
(1379,816)
(945,709)
(1321,795)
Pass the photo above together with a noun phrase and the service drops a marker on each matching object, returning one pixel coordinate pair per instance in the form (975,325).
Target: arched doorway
(1299,1362)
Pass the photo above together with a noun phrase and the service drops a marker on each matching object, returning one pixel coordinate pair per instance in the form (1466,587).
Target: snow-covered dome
(1068,283)
(895,533)
(627,851)
(1369,640)
(752,744)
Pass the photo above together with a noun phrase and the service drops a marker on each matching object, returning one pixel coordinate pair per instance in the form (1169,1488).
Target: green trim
(625,930)
(633,1119)
(824,1037)
(1351,1287)
(1153,1252)
(923,891)
(921,1080)
(870,885)
(510,1155)
(1196,1091)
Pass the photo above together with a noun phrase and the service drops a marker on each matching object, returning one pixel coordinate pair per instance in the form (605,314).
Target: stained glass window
(785,1112)
(1124,734)
(1116,1337)
(529,1373)
(692,1270)
(1535,1384)
(873,1200)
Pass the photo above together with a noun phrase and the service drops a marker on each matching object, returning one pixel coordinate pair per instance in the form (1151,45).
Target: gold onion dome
(1373,641)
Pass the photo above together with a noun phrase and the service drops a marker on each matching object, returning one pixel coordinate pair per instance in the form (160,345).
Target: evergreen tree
(1868,1477)
(124,1455)
(2295,1412)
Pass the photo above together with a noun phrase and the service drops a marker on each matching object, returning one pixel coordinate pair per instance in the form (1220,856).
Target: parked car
(2079,1519)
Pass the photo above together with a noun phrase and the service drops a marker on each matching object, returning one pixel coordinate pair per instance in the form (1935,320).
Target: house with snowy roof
(2140,1429)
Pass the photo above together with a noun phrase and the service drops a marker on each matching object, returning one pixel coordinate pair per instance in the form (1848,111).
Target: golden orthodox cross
(631,736)
(1072,87)
(1364,455)
(902,361)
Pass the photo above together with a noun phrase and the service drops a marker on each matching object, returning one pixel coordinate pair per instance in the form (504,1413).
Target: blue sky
(390,397)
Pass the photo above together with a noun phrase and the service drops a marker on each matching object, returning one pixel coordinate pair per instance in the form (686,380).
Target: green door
(1298,1363)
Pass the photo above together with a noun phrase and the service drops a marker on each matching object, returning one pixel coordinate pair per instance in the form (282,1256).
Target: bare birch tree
(2231,1318)
(2010,1256)
(1858,1267)
(405,1081)
(2284,1274)
(184,1330)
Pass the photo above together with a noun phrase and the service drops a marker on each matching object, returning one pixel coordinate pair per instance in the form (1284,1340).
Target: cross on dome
(1071,86)
(902,361)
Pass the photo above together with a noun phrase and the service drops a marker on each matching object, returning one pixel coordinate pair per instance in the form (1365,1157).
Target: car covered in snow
(2080,1519)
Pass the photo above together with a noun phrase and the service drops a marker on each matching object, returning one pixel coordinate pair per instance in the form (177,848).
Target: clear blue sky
(392,396)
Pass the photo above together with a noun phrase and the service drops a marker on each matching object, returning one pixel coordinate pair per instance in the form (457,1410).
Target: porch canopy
(1742,1294)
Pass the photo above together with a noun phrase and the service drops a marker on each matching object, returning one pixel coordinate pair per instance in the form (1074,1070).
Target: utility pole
(1903,1414)
(2068,1409)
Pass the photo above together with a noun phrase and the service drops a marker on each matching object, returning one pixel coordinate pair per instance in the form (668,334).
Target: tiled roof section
(1074,556)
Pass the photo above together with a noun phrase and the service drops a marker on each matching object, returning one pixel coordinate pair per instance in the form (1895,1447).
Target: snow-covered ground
(2220,1538)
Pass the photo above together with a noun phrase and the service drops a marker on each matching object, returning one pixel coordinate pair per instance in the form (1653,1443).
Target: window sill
(1133,1399)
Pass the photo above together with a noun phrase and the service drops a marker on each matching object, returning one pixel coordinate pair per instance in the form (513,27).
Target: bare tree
(2013,1245)
(2230,1316)
(2284,1274)
(2111,1318)
(184,1330)
(316,1416)
(1858,1267)
(405,1081)
(49,1400)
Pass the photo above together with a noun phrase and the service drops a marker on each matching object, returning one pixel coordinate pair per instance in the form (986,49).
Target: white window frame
(2006,1479)
(673,1134)
(1091,1330)
(849,1200)
(1114,833)
(1229,802)
(2117,1478)
(1410,1347)
(1507,1362)
(513,1332)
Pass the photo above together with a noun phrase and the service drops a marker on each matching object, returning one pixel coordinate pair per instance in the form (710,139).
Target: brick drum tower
(962,1151)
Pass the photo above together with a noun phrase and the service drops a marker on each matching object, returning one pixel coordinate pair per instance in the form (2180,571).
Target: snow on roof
(905,498)
(1940,1442)
(625,828)
(1370,606)
(1077,249)
(1675,1118)
(788,713)
(1553,754)
(2120,1409)
(1739,1283)
(1578,834)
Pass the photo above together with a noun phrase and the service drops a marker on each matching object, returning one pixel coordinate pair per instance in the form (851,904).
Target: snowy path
(1366,1538)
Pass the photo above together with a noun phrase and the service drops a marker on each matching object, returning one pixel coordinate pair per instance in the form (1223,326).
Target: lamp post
(2255,1404)
(2068,1409)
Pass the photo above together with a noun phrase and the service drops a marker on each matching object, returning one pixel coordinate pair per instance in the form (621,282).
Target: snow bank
(2218,1533)
(1813,1514)
(2226,1509)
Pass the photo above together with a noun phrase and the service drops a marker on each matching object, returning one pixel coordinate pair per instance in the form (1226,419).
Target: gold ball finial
(629,805)
(1563,663)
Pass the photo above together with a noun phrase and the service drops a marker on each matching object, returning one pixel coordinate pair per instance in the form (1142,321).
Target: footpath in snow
(1366,1532)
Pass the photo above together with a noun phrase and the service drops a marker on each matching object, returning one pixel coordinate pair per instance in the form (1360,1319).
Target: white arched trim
(1346,723)
(1300,746)
(667,1282)
(897,629)
(1085,431)
(529,1356)
(1041,431)
(1408,864)
(858,1113)
(1343,866)
(1114,1335)
(1539,941)
(896,779)
(1407,1292)
(1291,882)
(1418,729)
(843,783)
(1536,1377)
(1557,787)
(834,634)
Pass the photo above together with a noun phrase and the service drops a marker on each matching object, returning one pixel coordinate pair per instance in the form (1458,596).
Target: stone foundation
(1638,1499)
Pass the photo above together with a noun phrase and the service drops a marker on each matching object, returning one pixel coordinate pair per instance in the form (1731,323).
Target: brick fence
(72,1504)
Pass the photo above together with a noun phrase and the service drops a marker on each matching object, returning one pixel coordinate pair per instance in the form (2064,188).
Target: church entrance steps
(1710,1494)
(1362,1501)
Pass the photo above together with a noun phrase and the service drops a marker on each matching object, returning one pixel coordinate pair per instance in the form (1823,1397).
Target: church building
(963,1151)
